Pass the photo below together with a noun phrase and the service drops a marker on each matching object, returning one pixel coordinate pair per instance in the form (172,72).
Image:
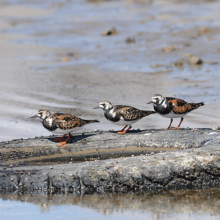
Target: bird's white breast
(61,131)
(173,115)
(123,122)
(112,113)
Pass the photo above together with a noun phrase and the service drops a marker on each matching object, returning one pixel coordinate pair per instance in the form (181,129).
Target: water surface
(191,204)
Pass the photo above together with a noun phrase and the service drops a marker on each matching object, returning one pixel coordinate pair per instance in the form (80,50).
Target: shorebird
(169,107)
(60,123)
(122,114)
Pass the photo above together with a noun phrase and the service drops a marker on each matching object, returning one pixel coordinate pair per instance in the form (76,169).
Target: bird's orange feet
(64,143)
(60,139)
(123,132)
(176,128)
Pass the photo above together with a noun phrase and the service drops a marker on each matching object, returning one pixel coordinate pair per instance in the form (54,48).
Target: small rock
(70,54)
(109,32)
(178,63)
(215,128)
(11,165)
(65,59)
(194,60)
(84,141)
(129,40)
(157,65)
(168,49)
(187,55)
(203,30)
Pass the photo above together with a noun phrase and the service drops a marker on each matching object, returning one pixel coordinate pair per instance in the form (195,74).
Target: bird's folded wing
(68,122)
(130,113)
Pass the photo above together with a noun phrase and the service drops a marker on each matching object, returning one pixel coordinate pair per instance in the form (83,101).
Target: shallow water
(54,57)
(191,204)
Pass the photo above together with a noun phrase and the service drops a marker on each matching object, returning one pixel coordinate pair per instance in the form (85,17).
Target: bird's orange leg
(170,123)
(60,139)
(179,124)
(123,128)
(123,132)
(64,143)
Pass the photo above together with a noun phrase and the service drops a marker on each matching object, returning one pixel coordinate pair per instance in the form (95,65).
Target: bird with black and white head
(170,107)
(122,114)
(61,123)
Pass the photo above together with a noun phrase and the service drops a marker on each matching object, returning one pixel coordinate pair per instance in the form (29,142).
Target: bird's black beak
(96,107)
(150,102)
(35,116)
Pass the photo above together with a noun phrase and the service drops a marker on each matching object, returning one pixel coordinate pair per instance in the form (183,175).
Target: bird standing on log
(122,114)
(60,123)
(169,107)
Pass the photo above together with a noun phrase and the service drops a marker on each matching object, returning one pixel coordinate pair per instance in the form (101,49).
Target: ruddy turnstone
(169,107)
(60,123)
(122,114)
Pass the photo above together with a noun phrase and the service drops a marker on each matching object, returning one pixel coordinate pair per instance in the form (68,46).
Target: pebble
(169,49)
(129,40)
(194,60)
(178,63)
(215,128)
(109,32)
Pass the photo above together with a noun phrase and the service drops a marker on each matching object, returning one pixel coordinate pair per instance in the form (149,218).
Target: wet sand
(53,56)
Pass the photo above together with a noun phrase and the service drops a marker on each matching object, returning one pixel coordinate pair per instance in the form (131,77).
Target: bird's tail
(149,112)
(91,121)
(196,105)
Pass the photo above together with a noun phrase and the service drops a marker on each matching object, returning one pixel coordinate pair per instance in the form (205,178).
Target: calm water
(202,204)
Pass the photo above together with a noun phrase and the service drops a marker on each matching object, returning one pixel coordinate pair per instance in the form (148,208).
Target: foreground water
(191,204)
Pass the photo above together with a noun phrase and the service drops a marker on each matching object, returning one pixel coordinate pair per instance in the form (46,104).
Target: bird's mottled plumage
(170,107)
(122,114)
(60,123)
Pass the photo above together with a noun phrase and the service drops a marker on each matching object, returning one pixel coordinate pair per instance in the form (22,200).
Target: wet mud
(55,56)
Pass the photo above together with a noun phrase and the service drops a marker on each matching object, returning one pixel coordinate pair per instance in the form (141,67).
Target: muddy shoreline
(184,159)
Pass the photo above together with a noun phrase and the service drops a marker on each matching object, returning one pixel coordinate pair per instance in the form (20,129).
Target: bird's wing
(130,113)
(179,106)
(66,122)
